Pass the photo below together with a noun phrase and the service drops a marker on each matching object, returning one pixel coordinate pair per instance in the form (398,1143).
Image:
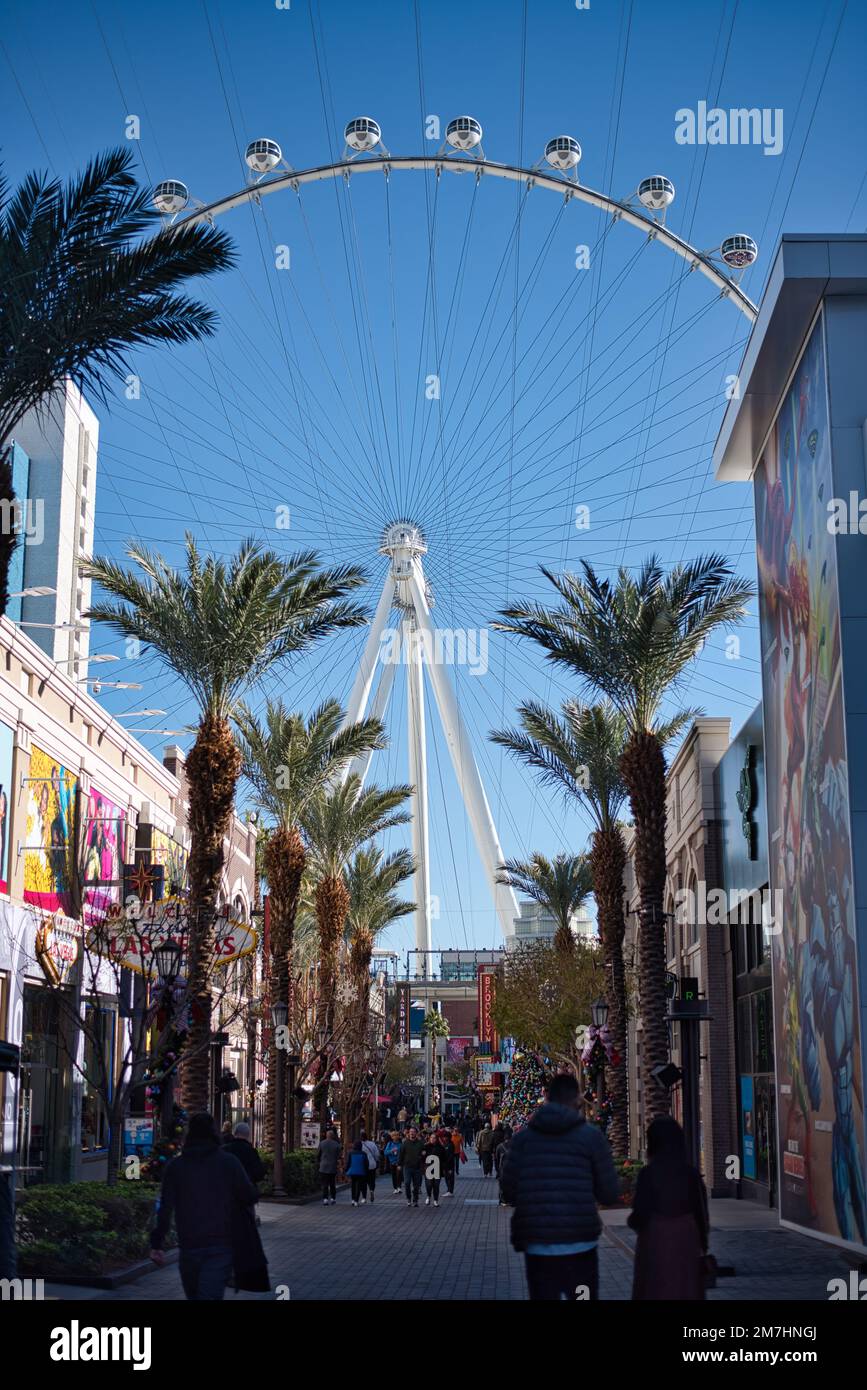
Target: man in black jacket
(204,1188)
(248,1157)
(555,1172)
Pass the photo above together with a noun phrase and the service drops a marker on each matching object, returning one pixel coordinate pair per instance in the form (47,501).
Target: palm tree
(632,639)
(287,760)
(336,824)
(562,885)
(371,879)
(81,283)
(219,626)
(579,753)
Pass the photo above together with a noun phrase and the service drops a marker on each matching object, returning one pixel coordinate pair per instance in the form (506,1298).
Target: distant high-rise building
(59,442)
(537,924)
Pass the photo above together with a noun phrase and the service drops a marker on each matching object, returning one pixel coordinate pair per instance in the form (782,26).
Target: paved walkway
(460,1251)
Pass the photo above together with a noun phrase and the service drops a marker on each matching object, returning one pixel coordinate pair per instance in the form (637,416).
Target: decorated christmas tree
(525,1088)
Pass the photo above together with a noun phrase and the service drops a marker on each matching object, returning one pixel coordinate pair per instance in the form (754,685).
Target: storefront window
(98,1077)
(44,1096)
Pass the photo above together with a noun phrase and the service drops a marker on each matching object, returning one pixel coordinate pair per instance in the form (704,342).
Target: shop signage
(132,938)
(56,946)
(138,1135)
(403,1020)
(486,1004)
(310,1134)
(494,1068)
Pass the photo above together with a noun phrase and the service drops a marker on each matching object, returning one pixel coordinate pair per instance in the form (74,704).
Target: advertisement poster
(816,1007)
(173,858)
(138,1135)
(49,855)
(7,739)
(103,848)
(456,1048)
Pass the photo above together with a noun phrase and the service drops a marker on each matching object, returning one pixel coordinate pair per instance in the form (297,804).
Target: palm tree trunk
(607,862)
(332,905)
(212,771)
(643,767)
(285,858)
(8,537)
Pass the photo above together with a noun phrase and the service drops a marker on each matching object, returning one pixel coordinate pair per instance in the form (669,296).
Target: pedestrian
(434,1158)
(449,1160)
(392,1158)
(329,1158)
(226,1132)
(358,1169)
(402,1117)
(371,1149)
(206,1190)
(500,1142)
(239,1144)
(670,1214)
(558,1167)
(500,1157)
(410,1162)
(485,1150)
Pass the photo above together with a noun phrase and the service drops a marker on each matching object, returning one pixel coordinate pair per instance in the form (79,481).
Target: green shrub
(628,1170)
(82,1227)
(300,1173)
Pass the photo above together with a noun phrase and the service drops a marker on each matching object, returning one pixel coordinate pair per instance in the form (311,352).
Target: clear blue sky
(601,387)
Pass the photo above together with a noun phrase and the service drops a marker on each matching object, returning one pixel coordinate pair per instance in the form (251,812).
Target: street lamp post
(599,1015)
(279,1015)
(167,958)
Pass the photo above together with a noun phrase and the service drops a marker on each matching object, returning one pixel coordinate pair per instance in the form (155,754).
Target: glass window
(763,1031)
(745,1035)
(98,1077)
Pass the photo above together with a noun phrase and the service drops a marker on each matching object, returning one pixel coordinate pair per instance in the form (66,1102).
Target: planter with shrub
(82,1228)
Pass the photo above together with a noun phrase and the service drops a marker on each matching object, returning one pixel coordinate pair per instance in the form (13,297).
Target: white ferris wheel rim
(620,211)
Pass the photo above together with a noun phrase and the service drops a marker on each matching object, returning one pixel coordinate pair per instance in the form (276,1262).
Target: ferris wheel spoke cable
(567,469)
(484,318)
(482,370)
(505,420)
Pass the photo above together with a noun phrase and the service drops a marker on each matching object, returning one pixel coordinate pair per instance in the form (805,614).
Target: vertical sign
(486,1004)
(402,1029)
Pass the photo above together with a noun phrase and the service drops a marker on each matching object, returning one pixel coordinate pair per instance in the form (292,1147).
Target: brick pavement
(460,1251)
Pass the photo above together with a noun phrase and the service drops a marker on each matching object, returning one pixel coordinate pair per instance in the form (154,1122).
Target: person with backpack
(371,1149)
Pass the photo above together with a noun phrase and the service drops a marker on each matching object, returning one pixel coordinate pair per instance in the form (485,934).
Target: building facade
(55,461)
(80,799)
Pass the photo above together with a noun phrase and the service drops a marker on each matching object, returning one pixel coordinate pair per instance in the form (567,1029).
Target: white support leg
(360,693)
(361,765)
(466,770)
(418,777)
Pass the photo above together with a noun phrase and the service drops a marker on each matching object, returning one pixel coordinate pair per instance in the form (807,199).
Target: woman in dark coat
(670,1215)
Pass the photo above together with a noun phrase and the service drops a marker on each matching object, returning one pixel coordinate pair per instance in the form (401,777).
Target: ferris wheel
(410,493)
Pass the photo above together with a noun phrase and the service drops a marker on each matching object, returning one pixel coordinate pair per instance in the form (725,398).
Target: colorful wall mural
(815,982)
(103,850)
(49,856)
(7,744)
